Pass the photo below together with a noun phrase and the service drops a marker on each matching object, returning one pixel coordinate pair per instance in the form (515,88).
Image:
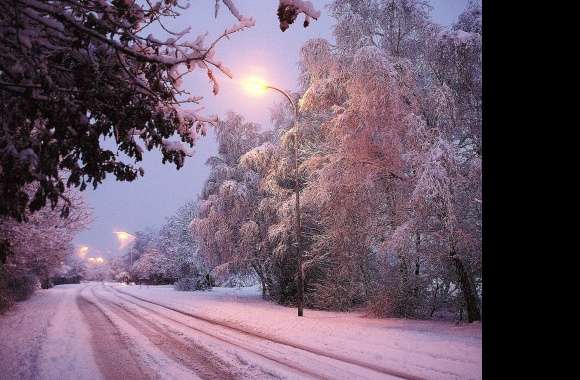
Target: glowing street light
(124,238)
(257,86)
(96,260)
(83,250)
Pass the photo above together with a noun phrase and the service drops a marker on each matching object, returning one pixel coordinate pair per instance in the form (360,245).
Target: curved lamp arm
(287,97)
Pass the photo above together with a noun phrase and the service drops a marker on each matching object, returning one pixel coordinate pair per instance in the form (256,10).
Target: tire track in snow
(283,342)
(197,359)
(112,353)
(282,362)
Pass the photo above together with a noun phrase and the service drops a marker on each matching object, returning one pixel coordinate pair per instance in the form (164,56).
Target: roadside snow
(435,350)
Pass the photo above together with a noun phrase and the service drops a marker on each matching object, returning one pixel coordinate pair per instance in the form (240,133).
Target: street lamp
(83,249)
(258,86)
(124,239)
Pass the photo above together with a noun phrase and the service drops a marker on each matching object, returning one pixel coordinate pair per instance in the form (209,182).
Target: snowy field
(80,331)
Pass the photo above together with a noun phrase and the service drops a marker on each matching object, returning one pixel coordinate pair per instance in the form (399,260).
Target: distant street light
(98,260)
(257,86)
(83,249)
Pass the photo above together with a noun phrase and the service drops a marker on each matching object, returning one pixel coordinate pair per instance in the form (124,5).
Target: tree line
(390,171)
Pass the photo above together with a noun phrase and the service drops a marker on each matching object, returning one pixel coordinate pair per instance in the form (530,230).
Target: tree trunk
(4,251)
(45,283)
(417,265)
(262,277)
(434,303)
(404,295)
(469,295)
(366,281)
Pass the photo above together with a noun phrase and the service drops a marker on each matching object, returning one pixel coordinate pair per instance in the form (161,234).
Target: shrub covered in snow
(15,288)
(237,280)
(194,283)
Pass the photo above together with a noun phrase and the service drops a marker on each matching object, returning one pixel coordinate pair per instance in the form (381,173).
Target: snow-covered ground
(222,333)
(46,337)
(423,348)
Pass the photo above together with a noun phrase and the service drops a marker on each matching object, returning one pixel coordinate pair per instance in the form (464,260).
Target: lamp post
(125,239)
(256,86)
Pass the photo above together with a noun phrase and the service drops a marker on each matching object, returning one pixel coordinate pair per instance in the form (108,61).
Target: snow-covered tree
(402,155)
(268,236)
(146,267)
(74,268)
(239,204)
(37,249)
(178,251)
(145,241)
(75,72)
(165,255)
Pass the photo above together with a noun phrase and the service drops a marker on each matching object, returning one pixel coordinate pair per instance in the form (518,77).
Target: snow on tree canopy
(458,37)
(259,158)
(234,189)
(288,10)
(316,56)
(93,69)
(390,128)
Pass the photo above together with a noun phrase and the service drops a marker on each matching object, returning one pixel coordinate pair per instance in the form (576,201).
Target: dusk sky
(262,51)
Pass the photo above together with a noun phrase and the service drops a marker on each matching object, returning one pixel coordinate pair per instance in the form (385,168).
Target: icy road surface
(111,331)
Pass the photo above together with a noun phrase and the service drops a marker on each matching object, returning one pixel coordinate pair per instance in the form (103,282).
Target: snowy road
(98,331)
